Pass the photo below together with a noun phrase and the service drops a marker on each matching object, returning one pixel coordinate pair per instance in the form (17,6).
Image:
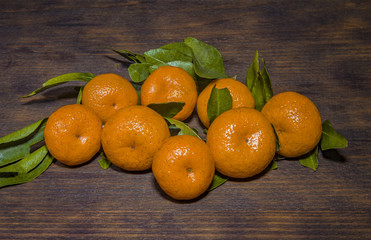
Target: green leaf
(184,128)
(273,165)
(68,77)
(168,110)
(131,56)
(207,60)
(220,101)
(19,147)
(139,71)
(218,180)
(310,160)
(330,138)
(252,72)
(268,90)
(202,83)
(22,133)
(180,47)
(103,161)
(28,163)
(27,177)
(258,93)
(278,144)
(79,97)
(161,56)
(259,83)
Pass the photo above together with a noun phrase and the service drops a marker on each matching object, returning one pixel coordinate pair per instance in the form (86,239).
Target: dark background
(321,49)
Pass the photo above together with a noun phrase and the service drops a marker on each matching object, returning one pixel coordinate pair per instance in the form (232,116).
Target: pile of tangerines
(240,142)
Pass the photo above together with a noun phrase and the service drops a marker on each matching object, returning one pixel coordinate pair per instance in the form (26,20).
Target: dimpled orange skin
(242,142)
(297,122)
(170,84)
(72,134)
(184,167)
(132,136)
(241,96)
(107,93)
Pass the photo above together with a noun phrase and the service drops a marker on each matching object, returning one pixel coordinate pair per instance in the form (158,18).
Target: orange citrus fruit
(297,122)
(170,84)
(183,167)
(242,142)
(131,137)
(107,93)
(72,134)
(241,96)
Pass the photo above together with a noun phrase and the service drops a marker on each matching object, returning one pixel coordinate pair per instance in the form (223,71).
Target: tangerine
(132,136)
(72,134)
(170,84)
(297,123)
(183,167)
(107,93)
(242,142)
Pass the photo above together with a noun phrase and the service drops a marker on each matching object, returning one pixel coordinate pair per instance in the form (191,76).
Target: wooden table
(321,49)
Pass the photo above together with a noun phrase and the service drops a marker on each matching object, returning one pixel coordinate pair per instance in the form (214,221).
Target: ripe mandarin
(183,167)
(107,93)
(297,122)
(242,142)
(132,136)
(72,134)
(170,84)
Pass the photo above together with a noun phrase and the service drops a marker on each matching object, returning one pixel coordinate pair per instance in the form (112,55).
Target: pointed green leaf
(259,83)
(131,56)
(184,128)
(79,97)
(220,101)
(14,150)
(252,72)
(27,177)
(161,56)
(68,77)
(103,161)
(310,160)
(277,139)
(218,180)
(268,90)
(139,71)
(258,92)
(207,60)
(180,47)
(28,163)
(22,133)
(273,165)
(202,83)
(330,138)
(168,110)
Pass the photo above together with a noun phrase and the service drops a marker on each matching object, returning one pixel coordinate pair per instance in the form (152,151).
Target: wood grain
(321,49)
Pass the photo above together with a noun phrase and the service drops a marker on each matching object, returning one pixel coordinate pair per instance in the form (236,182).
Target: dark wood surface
(321,49)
